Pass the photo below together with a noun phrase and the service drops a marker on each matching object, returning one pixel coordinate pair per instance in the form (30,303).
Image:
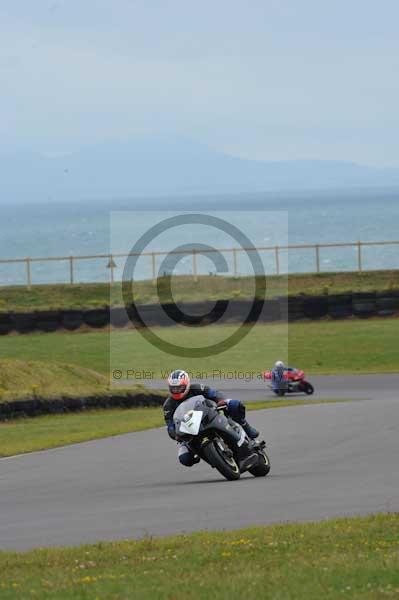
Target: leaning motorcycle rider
(180,389)
(278,374)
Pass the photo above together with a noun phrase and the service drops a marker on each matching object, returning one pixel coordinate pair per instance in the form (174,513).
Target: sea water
(84,229)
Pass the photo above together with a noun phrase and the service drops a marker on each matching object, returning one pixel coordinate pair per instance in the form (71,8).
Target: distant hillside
(155,166)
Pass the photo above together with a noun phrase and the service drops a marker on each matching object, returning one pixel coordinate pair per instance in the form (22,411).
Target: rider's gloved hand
(222,405)
(172,431)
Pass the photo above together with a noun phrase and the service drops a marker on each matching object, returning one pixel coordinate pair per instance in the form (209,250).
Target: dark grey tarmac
(326,386)
(327,460)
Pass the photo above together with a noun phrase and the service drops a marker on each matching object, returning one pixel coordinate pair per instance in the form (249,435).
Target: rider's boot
(251,432)
(186,455)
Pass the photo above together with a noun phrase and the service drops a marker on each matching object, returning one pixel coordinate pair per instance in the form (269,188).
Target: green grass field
(43,297)
(354,558)
(350,346)
(40,433)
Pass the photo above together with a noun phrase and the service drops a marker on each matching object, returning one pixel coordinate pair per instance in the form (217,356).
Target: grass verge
(41,433)
(342,558)
(92,295)
(31,379)
(350,346)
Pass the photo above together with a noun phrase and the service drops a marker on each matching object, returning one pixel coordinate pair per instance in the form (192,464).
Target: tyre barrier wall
(34,407)
(291,308)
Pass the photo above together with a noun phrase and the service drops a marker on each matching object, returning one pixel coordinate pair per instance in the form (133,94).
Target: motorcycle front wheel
(263,466)
(309,389)
(218,458)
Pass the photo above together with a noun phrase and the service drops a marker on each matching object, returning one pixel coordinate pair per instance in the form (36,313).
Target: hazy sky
(271,79)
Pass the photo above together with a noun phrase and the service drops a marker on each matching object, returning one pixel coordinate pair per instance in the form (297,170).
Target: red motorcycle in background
(292,382)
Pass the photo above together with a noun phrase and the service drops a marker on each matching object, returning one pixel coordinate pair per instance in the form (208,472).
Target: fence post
(28,274)
(317,248)
(111,267)
(153,264)
(195,265)
(359,256)
(276,252)
(235,263)
(71,270)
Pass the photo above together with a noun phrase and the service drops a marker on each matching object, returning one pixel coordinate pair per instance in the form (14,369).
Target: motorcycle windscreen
(191,422)
(183,414)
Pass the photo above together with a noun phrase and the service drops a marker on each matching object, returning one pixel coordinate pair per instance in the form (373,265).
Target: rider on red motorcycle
(288,379)
(278,372)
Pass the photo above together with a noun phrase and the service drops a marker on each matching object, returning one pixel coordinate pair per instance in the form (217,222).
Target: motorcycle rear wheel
(226,465)
(263,467)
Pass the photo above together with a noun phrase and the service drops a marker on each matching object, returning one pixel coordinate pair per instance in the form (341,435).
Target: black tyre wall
(296,305)
(24,322)
(119,317)
(32,407)
(340,306)
(49,320)
(364,305)
(6,324)
(271,311)
(316,307)
(72,319)
(98,317)
(387,303)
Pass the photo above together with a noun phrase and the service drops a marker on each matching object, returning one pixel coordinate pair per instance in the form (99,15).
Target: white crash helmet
(279,364)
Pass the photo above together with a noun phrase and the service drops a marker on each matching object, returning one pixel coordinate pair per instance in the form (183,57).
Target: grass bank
(343,558)
(50,431)
(350,346)
(185,289)
(32,379)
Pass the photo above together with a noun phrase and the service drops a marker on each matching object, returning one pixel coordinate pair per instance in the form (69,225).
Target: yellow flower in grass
(240,542)
(87,579)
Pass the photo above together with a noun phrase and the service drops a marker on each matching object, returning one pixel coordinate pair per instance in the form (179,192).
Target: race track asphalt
(327,460)
(326,386)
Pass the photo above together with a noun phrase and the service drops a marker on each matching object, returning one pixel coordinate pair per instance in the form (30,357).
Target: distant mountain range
(155,167)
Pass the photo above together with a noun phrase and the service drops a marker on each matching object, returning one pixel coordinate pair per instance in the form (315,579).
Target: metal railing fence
(275,250)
